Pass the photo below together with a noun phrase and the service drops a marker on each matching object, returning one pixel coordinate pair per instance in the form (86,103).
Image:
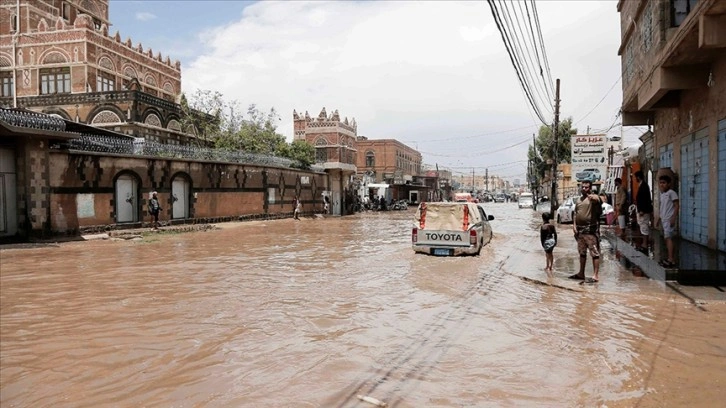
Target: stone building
(58,57)
(391,162)
(674,80)
(60,177)
(335,151)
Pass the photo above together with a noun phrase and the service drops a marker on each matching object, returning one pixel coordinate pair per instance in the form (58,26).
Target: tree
(300,151)
(541,154)
(221,124)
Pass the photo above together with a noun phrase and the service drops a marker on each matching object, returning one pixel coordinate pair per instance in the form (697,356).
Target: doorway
(127,200)
(180,189)
(8,195)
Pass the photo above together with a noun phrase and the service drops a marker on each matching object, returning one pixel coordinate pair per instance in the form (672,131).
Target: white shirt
(667,210)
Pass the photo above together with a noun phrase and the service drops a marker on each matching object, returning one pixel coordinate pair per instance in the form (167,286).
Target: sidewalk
(696,264)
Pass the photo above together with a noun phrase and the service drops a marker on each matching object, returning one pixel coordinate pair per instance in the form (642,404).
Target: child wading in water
(548,237)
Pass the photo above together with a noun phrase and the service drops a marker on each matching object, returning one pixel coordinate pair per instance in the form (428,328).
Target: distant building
(673,57)
(389,160)
(58,57)
(335,150)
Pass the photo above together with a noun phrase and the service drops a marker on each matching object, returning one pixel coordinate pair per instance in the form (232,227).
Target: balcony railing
(94,98)
(141,147)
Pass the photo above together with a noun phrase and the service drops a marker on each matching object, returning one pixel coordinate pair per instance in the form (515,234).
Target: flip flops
(576,276)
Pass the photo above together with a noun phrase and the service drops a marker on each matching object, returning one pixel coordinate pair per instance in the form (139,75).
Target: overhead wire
(517,69)
(550,92)
(469,137)
(480,153)
(541,42)
(525,54)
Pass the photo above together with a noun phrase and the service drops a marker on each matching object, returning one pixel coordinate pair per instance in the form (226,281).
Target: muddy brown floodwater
(314,313)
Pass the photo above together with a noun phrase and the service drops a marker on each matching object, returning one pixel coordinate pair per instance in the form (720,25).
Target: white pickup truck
(449,229)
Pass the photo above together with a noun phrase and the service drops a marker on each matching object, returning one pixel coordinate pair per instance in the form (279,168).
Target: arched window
(370,159)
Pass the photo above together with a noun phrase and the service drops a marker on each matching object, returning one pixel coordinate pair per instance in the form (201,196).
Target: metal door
(8,196)
(126,199)
(336,207)
(694,192)
(721,228)
(180,198)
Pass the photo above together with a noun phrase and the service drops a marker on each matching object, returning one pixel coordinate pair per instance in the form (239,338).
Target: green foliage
(544,149)
(301,151)
(221,124)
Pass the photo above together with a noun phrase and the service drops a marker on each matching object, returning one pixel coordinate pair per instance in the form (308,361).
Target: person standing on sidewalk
(586,227)
(644,204)
(669,208)
(154,209)
(621,204)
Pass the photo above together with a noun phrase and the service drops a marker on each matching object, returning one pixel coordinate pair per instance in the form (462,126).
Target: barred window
(321,155)
(55,80)
(646,28)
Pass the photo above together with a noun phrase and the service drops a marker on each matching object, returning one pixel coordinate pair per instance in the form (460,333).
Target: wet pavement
(317,312)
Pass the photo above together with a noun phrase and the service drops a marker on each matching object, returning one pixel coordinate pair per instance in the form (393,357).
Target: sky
(434,75)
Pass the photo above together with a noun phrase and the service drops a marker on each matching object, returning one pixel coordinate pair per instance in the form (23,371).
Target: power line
(541,42)
(523,50)
(508,47)
(469,137)
(601,100)
(481,153)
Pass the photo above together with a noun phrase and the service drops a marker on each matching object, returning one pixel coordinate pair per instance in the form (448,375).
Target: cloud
(145,16)
(419,72)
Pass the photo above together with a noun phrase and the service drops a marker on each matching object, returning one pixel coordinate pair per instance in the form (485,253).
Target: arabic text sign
(589,157)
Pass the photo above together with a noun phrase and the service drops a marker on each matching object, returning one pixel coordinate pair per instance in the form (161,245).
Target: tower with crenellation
(334,140)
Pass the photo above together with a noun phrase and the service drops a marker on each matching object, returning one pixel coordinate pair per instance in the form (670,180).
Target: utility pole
(535,170)
(473,188)
(553,196)
(486,178)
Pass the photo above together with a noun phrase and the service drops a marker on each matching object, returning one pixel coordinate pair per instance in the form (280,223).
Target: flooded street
(314,313)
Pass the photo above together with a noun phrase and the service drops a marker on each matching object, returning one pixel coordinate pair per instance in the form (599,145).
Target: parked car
(450,229)
(592,175)
(566,211)
(526,200)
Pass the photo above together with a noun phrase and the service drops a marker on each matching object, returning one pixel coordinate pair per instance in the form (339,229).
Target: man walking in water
(586,227)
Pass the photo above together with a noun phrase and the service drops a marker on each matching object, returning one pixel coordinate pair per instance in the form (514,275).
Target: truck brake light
(414,235)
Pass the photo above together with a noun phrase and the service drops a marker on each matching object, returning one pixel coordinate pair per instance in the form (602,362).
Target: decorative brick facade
(334,140)
(62,61)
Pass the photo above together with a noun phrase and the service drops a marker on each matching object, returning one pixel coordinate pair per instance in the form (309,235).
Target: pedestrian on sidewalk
(644,205)
(548,238)
(154,209)
(586,227)
(669,207)
(621,204)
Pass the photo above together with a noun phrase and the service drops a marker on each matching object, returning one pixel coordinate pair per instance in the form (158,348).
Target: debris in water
(372,400)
